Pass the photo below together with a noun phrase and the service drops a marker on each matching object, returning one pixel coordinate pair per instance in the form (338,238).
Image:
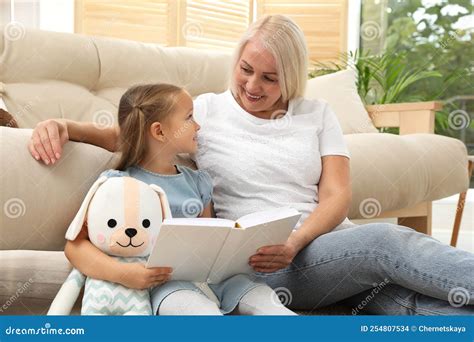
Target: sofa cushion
(43,55)
(340,91)
(30,280)
(49,75)
(391,172)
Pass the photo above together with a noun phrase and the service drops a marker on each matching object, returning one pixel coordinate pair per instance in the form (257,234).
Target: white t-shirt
(257,164)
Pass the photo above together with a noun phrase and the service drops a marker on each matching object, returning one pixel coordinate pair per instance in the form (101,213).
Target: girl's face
(256,80)
(180,127)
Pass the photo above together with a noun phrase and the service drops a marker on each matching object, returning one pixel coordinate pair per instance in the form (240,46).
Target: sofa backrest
(49,75)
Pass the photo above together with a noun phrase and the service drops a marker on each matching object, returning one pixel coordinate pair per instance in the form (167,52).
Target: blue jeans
(379,268)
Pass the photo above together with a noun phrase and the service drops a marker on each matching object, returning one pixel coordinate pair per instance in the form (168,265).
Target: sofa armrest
(414,117)
(39,202)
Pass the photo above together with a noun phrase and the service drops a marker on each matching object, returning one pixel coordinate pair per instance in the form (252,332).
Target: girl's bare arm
(208,211)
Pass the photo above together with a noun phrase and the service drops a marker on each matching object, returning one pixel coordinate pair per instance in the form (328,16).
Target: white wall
(57,15)
(51,15)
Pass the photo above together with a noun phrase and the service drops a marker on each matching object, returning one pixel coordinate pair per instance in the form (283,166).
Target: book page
(199,221)
(241,244)
(266,216)
(189,250)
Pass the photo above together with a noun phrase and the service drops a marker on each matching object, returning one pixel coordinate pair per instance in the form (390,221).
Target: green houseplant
(382,78)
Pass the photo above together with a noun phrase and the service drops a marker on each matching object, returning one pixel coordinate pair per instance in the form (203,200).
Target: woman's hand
(137,276)
(272,258)
(48,139)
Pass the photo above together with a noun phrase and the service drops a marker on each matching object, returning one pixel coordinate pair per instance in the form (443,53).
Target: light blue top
(188,193)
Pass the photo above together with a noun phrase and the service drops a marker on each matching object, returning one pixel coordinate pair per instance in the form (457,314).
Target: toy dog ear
(76,224)
(165,206)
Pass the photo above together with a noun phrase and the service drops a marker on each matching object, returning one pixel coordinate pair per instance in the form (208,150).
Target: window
(434,35)
(213,24)
(193,23)
(324,23)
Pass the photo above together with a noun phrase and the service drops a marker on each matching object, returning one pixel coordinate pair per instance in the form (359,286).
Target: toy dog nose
(131,232)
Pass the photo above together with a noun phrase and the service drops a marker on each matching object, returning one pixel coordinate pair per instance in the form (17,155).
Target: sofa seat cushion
(30,280)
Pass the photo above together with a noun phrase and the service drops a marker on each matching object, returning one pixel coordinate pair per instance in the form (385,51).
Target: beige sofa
(48,75)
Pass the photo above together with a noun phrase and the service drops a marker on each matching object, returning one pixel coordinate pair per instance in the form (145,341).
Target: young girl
(156,123)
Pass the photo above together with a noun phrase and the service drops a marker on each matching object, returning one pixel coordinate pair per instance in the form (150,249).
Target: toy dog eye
(111,223)
(146,223)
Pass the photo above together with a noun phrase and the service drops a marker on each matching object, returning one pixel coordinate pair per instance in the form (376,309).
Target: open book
(211,250)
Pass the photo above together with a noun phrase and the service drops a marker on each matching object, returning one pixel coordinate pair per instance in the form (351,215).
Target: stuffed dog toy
(124,217)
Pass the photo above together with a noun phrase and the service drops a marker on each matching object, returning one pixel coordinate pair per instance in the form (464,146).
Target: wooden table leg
(459,211)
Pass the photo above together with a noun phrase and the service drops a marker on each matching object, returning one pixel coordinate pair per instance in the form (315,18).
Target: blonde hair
(283,38)
(139,107)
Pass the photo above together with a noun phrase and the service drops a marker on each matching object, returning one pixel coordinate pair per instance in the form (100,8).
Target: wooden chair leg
(458,217)
(460,209)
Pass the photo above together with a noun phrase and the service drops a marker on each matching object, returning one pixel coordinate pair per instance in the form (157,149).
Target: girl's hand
(273,258)
(137,276)
(47,140)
